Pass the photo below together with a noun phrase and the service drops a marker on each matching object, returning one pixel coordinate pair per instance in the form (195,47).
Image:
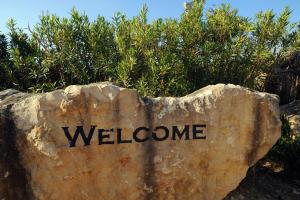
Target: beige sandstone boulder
(101,141)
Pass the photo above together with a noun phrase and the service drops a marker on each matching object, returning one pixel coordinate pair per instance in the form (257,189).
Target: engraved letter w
(79,130)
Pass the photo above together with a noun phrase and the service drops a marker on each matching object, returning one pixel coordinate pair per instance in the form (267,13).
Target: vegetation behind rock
(164,57)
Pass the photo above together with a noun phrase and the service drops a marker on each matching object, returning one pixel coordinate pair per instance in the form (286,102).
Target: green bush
(159,58)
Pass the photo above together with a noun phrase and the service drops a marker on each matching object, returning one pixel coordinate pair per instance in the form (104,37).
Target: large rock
(199,146)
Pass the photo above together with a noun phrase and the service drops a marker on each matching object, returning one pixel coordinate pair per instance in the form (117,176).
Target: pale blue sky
(27,12)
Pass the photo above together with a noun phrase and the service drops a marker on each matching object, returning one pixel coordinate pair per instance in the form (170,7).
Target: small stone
(6,174)
(295,191)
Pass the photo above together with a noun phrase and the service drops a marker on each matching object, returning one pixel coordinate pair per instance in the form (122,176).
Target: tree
(4,62)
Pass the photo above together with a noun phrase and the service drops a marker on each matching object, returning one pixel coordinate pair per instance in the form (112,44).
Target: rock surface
(199,146)
(13,180)
(291,112)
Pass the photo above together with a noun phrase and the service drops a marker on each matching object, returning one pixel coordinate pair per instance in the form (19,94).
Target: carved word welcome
(140,134)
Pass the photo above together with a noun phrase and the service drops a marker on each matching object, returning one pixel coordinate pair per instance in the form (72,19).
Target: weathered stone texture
(241,126)
(13,179)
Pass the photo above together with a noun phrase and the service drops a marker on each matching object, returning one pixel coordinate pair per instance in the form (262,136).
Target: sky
(27,12)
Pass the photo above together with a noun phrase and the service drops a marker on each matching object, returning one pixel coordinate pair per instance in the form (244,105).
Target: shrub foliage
(159,58)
